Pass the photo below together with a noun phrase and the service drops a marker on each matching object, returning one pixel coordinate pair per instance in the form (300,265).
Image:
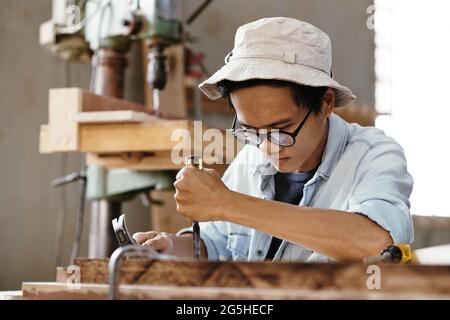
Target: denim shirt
(362,171)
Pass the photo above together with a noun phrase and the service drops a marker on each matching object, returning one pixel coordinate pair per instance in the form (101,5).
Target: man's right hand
(159,241)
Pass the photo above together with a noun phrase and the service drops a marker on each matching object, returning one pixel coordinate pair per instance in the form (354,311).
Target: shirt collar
(336,142)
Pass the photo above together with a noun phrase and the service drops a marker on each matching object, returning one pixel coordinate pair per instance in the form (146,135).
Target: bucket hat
(279,48)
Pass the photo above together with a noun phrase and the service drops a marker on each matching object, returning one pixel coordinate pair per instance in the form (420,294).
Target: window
(412,66)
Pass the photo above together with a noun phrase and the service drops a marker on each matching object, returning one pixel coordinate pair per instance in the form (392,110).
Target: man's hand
(168,243)
(201,195)
(159,241)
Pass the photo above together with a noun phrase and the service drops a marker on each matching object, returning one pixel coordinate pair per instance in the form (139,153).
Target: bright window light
(412,65)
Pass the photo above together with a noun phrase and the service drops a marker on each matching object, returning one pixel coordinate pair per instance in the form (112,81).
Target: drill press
(102,32)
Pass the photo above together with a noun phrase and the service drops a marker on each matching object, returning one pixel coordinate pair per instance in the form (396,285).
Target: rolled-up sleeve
(382,189)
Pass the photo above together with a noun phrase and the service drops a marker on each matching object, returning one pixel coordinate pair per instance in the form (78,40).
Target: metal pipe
(198,11)
(115,262)
(197,102)
(80,221)
(102,241)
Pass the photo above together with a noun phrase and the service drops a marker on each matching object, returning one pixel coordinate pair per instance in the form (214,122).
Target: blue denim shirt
(363,171)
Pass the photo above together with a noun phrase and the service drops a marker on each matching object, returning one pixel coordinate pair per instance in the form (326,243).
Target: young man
(308,186)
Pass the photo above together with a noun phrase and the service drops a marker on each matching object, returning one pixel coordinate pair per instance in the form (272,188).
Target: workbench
(188,279)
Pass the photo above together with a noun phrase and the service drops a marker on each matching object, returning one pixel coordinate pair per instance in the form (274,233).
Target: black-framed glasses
(275,136)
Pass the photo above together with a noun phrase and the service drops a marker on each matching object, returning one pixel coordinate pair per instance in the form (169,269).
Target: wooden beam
(148,161)
(44,143)
(60,291)
(121,116)
(160,160)
(62,132)
(124,137)
(113,138)
(153,137)
(91,102)
(11,295)
(433,280)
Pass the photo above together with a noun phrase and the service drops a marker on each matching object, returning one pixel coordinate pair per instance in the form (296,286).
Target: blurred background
(392,54)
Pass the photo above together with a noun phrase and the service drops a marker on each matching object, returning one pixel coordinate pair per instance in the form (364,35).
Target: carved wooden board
(60,291)
(433,280)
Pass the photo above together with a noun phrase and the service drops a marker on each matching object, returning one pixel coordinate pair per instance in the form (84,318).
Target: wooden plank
(92,102)
(44,143)
(149,161)
(60,291)
(63,134)
(62,131)
(155,161)
(126,116)
(117,138)
(11,295)
(132,137)
(162,135)
(419,279)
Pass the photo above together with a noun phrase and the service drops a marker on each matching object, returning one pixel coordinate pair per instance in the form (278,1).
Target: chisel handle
(194,161)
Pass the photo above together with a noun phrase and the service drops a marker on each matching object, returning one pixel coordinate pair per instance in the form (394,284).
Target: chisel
(193,161)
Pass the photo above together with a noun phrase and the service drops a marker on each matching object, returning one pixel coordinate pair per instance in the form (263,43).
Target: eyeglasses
(275,136)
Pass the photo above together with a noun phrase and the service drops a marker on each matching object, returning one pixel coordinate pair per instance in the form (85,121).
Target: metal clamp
(115,263)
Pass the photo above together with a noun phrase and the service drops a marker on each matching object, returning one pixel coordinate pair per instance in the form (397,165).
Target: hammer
(194,161)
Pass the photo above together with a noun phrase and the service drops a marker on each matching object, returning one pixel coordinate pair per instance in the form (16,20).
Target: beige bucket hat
(282,49)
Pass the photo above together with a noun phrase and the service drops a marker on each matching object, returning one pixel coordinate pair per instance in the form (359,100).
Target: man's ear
(328,102)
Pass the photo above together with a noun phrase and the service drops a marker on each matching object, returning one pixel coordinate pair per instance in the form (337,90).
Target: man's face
(266,107)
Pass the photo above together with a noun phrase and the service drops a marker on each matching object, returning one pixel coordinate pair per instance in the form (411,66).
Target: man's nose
(268,147)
